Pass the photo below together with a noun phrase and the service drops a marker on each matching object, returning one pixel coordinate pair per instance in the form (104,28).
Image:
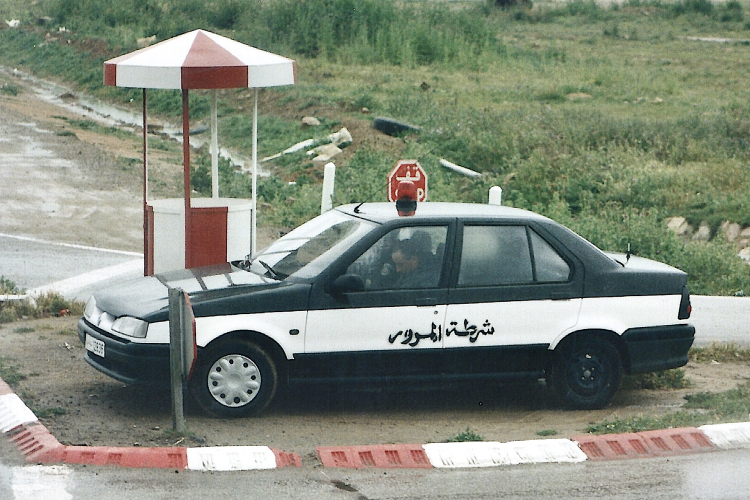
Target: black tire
(586,373)
(234,379)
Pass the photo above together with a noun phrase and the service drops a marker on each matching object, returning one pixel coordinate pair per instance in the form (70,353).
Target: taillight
(685,307)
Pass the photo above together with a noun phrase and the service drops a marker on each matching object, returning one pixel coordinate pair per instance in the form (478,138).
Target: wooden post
(175,359)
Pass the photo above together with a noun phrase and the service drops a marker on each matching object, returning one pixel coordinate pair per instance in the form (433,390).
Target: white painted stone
(492,454)
(227,458)
(728,436)
(13,412)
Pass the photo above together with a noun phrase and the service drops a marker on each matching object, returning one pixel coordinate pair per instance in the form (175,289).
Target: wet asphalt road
(72,270)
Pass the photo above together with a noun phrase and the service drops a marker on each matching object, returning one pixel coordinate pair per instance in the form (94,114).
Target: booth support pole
(186,174)
(254,215)
(214,146)
(145,190)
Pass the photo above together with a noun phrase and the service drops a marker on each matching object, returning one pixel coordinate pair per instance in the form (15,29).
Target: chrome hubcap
(234,380)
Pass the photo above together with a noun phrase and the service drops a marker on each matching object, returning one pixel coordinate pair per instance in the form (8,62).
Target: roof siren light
(406,198)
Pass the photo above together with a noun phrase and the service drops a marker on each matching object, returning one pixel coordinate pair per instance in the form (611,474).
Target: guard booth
(186,233)
(220,232)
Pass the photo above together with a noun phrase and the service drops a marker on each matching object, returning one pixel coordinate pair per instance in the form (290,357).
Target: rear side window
(495,255)
(550,267)
(508,255)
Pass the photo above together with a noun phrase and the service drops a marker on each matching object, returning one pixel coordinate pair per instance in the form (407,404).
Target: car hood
(144,297)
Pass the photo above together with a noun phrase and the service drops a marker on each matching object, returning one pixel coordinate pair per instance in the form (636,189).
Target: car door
(514,291)
(389,325)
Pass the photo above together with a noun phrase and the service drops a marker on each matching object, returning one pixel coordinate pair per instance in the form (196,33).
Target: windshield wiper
(270,270)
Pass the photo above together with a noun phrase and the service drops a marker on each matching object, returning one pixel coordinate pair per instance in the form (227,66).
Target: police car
(361,295)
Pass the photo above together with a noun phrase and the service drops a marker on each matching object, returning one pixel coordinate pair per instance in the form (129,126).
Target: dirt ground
(66,184)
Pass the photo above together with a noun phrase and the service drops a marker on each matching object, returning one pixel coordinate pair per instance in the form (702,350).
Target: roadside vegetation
(44,306)
(607,119)
(700,408)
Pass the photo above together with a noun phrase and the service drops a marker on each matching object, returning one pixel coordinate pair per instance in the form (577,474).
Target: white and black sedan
(361,295)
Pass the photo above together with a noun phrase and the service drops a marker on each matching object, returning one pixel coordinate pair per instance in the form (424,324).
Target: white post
(254,232)
(496,195)
(329,175)
(214,147)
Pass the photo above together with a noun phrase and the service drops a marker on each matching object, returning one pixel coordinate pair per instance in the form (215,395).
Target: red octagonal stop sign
(407,170)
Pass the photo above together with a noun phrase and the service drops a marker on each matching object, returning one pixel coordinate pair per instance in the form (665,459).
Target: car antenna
(627,252)
(369,198)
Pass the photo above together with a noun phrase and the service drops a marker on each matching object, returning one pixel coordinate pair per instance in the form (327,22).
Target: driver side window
(405,258)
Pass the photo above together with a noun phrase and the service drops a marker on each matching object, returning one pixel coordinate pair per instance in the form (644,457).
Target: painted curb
(39,446)
(393,456)
(666,442)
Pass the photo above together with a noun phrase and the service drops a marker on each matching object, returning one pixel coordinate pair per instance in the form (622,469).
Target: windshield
(309,249)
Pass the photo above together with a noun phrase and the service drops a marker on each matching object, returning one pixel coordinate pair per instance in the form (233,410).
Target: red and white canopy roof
(199,60)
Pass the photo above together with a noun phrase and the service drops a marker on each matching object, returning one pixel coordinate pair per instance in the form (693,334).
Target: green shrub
(718,352)
(9,89)
(46,305)
(667,379)
(465,436)
(8,287)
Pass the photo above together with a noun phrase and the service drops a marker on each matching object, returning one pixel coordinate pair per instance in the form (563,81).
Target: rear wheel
(586,373)
(234,379)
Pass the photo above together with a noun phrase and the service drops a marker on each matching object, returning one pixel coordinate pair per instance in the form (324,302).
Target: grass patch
(67,332)
(701,409)
(9,89)
(51,412)
(663,380)
(547,433)
(24,329)
(9,372)
(720,352)
(464,436)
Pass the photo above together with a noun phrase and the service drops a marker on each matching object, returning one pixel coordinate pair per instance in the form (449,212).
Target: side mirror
(346,283)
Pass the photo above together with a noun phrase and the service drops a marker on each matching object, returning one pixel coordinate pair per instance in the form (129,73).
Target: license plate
(94,345)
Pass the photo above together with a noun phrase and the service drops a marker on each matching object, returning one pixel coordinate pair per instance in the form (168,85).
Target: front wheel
(234,379)
(586,373)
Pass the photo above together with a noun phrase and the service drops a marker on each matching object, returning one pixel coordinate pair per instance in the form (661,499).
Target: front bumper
(129,362)
(658,348)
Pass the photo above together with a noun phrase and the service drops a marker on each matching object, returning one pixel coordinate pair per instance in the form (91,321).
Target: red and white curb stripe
(39,446)
(491,454)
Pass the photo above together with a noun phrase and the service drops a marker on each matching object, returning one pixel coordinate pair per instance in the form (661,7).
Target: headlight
(132,327)
(90,309)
